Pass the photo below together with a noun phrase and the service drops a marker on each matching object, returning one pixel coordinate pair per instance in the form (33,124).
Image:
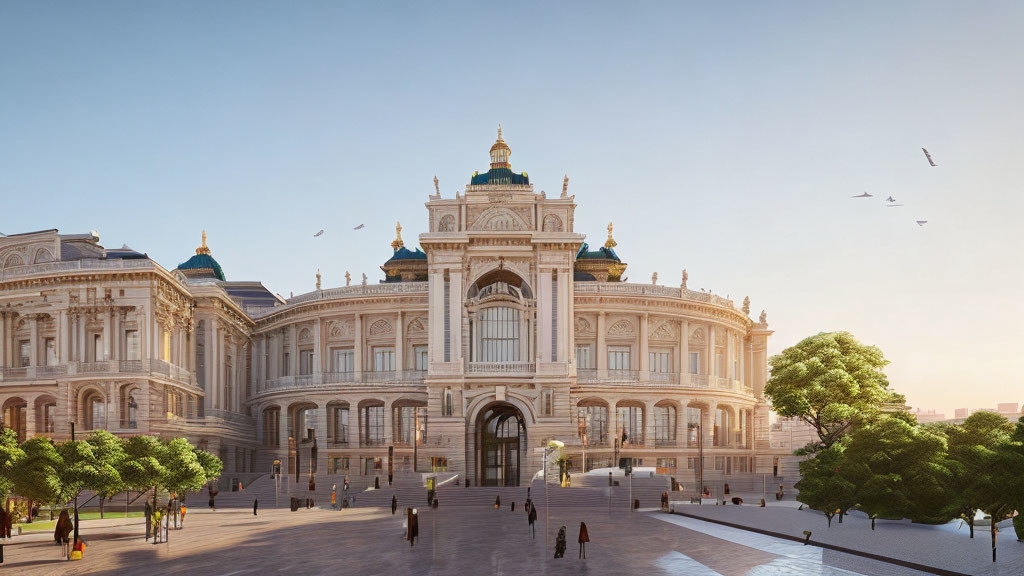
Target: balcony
(101,368)
(327,380)
(501,368)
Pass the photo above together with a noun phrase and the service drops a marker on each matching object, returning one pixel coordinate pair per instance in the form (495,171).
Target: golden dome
(499,144)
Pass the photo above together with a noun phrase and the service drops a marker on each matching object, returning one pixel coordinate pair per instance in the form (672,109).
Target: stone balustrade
(14,272)
(101,368)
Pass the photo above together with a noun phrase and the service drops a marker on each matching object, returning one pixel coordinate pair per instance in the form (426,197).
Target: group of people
(158,519)
(560,541)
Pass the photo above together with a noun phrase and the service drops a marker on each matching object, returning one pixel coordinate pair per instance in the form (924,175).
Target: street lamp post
(76,498)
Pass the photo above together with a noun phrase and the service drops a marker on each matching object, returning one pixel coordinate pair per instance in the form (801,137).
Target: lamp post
(75,541)
(552,446)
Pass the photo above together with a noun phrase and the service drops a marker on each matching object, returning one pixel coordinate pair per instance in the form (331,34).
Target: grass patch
(40,525)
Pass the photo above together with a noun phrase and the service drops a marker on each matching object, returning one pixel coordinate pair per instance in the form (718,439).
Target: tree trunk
(994,530)
(126,496)
(102,498)
(970,524)
(872,522)
(29,511)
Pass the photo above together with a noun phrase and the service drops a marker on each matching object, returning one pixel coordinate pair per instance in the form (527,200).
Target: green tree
(899,471)
(10,454)
(142,469)
(822,485)
(1015,473)
(35,473)
(212,465)
(110,459)
(832,382)
(182,471)
(974,454)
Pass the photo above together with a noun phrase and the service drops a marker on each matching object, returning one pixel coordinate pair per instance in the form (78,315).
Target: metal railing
(501,367)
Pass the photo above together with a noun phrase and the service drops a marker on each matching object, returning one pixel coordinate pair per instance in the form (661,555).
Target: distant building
(925,416)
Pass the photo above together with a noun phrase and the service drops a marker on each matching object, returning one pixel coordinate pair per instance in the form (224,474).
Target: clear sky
(724,137)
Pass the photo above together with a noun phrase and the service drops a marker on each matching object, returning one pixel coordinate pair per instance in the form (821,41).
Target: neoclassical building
(503,330)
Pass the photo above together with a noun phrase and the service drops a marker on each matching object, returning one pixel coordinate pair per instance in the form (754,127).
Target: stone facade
(506,333)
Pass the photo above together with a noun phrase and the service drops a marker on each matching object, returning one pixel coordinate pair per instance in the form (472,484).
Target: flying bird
(921,222)
(319,234)
(928,156)
(890,199)
(864,195)
(360,227)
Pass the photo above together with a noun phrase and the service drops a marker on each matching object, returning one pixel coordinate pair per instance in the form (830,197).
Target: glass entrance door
(501,435)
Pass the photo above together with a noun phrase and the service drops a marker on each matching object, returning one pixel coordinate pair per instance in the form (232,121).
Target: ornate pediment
(622,328)
(583,326)
(380,327)
(697,335)
(664,331)
(501,218)
(341,329)
(415,325)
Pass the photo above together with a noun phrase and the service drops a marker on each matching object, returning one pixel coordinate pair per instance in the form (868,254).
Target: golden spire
(397,243)
(203,249)
(500,152)
(610,243)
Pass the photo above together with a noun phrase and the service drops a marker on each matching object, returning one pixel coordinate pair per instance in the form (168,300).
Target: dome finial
(203,249)
(397,243)
(610,243)
(499,131)
(500,152)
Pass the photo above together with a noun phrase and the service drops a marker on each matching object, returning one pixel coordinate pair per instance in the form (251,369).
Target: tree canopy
(832,382)
(10,454)
(822,486)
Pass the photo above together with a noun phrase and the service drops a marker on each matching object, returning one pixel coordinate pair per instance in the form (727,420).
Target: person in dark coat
(727,489)
(376,482)
(532,518)
(584,538)
(255,505)
(412,526)
(513,506)
(149,520)
(497,502)
(62,531)
(560,543)
(394,504)
(528,505)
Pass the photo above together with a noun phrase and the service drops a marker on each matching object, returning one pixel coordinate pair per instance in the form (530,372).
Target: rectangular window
(410,422)
(305,362)
(497,329)
(372,466)
(692,427)
(341,425)
(694,362)
(666,465)
(719,365)
(25,352)
(735,370)
(97,348)
(719,462)
(422,360)
(51,351)
(631,422)
(373,425)
(343,360)
(286,365)
(165,350)
(384,359)
(439,463)
(584,357)
(594,423)
(338,464)
(548,400)
(619,358)
(661,361)
(131,339)
(49,417)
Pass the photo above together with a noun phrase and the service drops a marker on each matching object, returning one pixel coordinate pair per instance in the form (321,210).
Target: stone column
(143,335)
(399,347)
(33,323)
(684,351)
(602,348)
(455,310)
(436,319)
(317,352)
(115,352)
(293,351)
(708,425)
(710,352)
(3,339)
(107,334)
(360,345)
(645,359)
(649,422)
(389,422)
(213,366)
(565,319)
(544,312)
(62,333)
(730,342)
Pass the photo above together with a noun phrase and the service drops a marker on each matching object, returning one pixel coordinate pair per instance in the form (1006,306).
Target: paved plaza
(458,540)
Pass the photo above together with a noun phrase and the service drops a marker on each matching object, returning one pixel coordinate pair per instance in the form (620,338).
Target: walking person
(62,532)
(157,525)
(560,543)
(532,519)
(255,505)
(149,520)
(394,504)
(583,539)
(497,502)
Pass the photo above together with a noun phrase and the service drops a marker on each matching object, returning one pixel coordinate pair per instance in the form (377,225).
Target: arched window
(631,425)
(722,427)
(129,408)
(448,408)
(409,422)
(693,422)
(338,423)
(371,416)
(498,320)
(664,424)
(95,411)
(14,417)
(594,420)
(271,427)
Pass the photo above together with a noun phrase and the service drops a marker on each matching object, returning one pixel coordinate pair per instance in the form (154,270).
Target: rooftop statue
(686,277)
(348,278)
(565,186)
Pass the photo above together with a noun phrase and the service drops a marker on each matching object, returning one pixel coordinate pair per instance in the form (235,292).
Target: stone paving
(947,546)
(463,541)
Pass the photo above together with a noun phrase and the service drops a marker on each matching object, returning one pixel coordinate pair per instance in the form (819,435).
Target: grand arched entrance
(501,441)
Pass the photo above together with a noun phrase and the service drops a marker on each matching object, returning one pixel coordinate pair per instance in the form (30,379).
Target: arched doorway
(501,441)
